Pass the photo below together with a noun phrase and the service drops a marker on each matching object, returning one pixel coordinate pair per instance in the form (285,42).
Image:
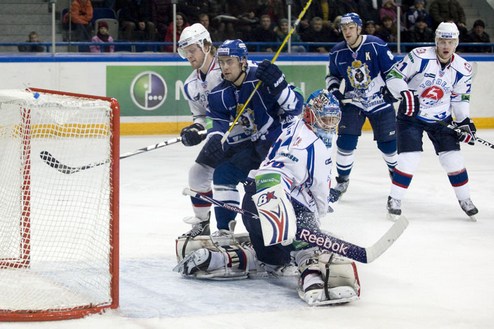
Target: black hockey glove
(335,90)
(409,104)
(190,135)
(387,95)
(272,76)
(468,130)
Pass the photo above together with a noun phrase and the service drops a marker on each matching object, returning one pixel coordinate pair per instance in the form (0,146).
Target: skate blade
(472,218)
(335,301)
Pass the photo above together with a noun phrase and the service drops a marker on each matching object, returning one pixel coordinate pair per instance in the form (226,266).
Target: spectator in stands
(369,10)
(478,34)
(80,16)
(415,11)
(192,9)
(447,11)
(162,12)
(215,35)
(317,32)
(136,20)
(388,31)
(36,48)
(264,33)
(282,31)
(388,9)
(181,25)
(420,32)
(370,28)
(102,36)
(276,9)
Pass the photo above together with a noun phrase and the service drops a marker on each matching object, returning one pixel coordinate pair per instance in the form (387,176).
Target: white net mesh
(55,228)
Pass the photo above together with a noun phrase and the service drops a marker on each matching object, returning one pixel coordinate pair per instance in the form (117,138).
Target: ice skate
(199,227)
(469,208)
(394,209)
(224,237)
(340,188)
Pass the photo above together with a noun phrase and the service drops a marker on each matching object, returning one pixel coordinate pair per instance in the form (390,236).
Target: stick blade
(393,233)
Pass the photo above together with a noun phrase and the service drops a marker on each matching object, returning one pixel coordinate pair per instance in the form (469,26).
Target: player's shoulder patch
(461,65)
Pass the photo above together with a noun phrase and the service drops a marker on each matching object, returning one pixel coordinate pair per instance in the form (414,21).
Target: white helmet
(194,34)
(447,30)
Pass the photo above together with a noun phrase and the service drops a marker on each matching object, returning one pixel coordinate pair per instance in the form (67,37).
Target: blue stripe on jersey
(458,178)
(310,165)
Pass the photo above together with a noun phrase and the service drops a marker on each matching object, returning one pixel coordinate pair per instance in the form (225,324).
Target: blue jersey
(263,114)
(364,71)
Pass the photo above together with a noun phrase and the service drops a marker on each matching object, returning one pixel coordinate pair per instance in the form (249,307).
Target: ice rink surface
(438,274)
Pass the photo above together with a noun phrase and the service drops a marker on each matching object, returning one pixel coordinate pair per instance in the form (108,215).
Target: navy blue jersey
(364,71)
(262,116)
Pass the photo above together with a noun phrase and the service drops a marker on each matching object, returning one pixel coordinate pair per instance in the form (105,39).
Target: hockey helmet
(233,48)
(447,30)
(322,111)
(194,34)
(351,18)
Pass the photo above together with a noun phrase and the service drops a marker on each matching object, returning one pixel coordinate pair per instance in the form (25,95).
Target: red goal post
(59,232)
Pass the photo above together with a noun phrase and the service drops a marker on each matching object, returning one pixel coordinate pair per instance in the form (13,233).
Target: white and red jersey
(443,90)
(197,90)
(304,162)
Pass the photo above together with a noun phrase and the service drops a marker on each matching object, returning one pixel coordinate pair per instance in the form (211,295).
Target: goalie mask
(322,114)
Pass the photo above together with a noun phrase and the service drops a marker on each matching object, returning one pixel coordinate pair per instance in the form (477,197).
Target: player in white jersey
(433,85)
(296,173)
(362,61)
(196,46)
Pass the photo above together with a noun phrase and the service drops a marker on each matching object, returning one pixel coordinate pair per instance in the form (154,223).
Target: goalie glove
(190,135)
(409,104)
(272,76)
(465,131)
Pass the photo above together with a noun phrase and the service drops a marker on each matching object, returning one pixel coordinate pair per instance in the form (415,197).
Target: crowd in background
(266,21)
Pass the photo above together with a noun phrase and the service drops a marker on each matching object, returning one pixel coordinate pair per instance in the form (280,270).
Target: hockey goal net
(58,230)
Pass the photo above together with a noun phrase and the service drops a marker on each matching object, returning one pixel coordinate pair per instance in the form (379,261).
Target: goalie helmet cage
(58,232)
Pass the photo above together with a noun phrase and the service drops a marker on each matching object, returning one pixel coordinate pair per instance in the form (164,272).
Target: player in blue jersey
(434,86)
(295,176)
(362,61)
(275,102)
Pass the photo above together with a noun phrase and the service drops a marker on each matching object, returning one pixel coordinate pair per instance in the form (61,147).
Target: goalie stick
(53,162)
(325,240)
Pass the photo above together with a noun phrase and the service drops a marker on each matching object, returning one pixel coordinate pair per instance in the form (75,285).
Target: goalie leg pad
(185,245)
(276,215)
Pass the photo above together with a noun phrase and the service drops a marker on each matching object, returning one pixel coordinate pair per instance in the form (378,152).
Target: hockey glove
(467,131)
(387,95)
(272,76)
(190,135)
(409,104)
(335,90)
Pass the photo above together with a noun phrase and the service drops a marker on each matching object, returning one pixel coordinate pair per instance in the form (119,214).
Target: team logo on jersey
(468,67)
(432,95)
(247,120)
(359,76)
(148,90)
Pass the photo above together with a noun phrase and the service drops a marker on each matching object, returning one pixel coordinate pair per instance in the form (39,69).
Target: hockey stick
(275,57)
(53,162)
(325,240)
(459,131)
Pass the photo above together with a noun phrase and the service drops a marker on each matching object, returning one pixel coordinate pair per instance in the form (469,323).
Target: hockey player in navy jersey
(274,103)
(433,84)
(362,61)
(196,46)
(296,175)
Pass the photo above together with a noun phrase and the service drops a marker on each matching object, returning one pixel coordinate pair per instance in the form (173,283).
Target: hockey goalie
(289,191)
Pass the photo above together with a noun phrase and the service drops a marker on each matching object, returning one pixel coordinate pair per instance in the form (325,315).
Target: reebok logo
(324,242)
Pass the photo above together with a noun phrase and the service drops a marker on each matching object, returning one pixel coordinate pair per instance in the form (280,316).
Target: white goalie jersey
(443,91)
(308,184)
(197,90)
